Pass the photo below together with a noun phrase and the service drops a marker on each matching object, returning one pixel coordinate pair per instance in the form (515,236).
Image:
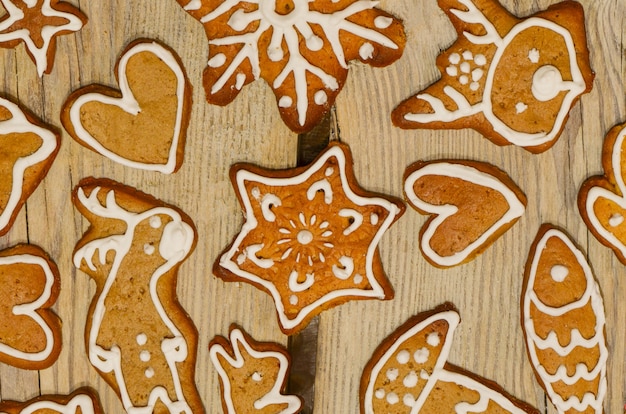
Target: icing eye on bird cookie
(301,48)
(310,237)
(513,80)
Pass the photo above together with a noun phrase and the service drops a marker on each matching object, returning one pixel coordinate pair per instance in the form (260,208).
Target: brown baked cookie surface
(144,124)
(30,332)
(513,80)
(563,321)
(82,401)
(138,337)
(408,373)
(310,237)
(253,375)
(301,48)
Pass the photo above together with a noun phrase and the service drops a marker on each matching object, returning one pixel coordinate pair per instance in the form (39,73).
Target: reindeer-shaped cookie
(138,336)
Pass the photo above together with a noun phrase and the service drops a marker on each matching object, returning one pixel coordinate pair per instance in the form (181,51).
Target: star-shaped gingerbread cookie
(310,237)
(37,23)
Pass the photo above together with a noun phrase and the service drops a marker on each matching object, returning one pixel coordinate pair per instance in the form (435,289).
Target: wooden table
(486,291)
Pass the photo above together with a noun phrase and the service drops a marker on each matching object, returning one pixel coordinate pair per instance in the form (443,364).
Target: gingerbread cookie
(513,80)
(30,333)
(38,23)
(602,199)
(252,375)
(408,373)
(564,324)
(138,337)
(471,204)
(82,401)
(144,124)
(28,150)
(310,237)
(301,48)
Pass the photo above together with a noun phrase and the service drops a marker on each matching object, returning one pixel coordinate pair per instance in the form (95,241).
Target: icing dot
(392,398)
(616,219)
(358,279)
(320,97)
(421,355)
(408,400)
(465,67)
(433,339)
(410,380)
(256,377)
(155,222)
(149,373)
(474,86)
(463,79)
(142,339)
(241,258)
(480,60)
(383,22)
(392,374)
(403,356)
(285,101)
(323,259)
(468,55)
(424,374)
(217,60)
(293,299)
(239,80)
(547,83)
(520,107)
(304,237)
(477,74)
(314,43)
(452,70)
(454,58)
(148,249)
(329,171)
(374,219)
(256,193)
(144,356)
(366,51)
(379,393)
(559,273)
(533,55)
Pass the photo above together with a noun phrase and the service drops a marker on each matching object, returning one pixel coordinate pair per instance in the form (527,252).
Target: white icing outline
(174,348)
(286,29)
(597,192)
(128,104)
(18,123)
(40,55)
(30,309)
(466,173)
(82,401)
(228,259)
(439,373)
(274,397)
(533,341)
(473,15)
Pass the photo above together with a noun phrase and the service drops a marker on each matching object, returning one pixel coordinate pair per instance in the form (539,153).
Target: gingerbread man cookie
(513,80)
(300,47)
(138,336)
(310,238)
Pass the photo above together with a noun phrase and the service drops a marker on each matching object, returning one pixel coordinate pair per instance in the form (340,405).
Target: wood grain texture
(486,291)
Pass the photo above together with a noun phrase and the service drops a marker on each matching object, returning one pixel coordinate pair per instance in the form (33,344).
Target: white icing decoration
(454,58)
(380,393)
(148,249)
(408,400)
(592,296)
(452,71)
(439,373)
(392,398)
(39,54)
(18,123)
(520,107)
(559,273)
(240,80)
(293,299)
(304,237)
(155,222)
(193,5)
(410,380)
(366,51)
(358,279)
(128,104)
(322,185)
(547,83)
(392,374)
(403,356)
(329,171)
(256,193)
(229,259)
(82,401)
(468,55)
(357,219)
(286,31)
(149,372)
(296,286)
(616,219)
(433,339)
(267,201)
(473,15)
(256,377)
(30,309)
(382,22)
(374,219)
(285,101)
(421,355)
(144,356)
(465,67)
(174,245)
(480,60)
(217,60)
(273,397)
(477,74)
(474,86)
(320,97)
(346,270)
(467,173)
(251,251)
(463,80)
(533,55)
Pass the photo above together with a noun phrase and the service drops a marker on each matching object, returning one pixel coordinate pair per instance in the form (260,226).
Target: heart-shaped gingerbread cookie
(143,125)
(472,204)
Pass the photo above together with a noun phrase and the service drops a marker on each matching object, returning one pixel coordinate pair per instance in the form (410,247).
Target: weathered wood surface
(486,291)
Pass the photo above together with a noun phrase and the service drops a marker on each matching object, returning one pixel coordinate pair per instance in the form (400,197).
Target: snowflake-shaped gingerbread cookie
(513,80)
(310,237)
(300,47)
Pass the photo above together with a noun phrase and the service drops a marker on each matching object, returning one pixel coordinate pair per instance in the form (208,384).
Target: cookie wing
(563,322)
